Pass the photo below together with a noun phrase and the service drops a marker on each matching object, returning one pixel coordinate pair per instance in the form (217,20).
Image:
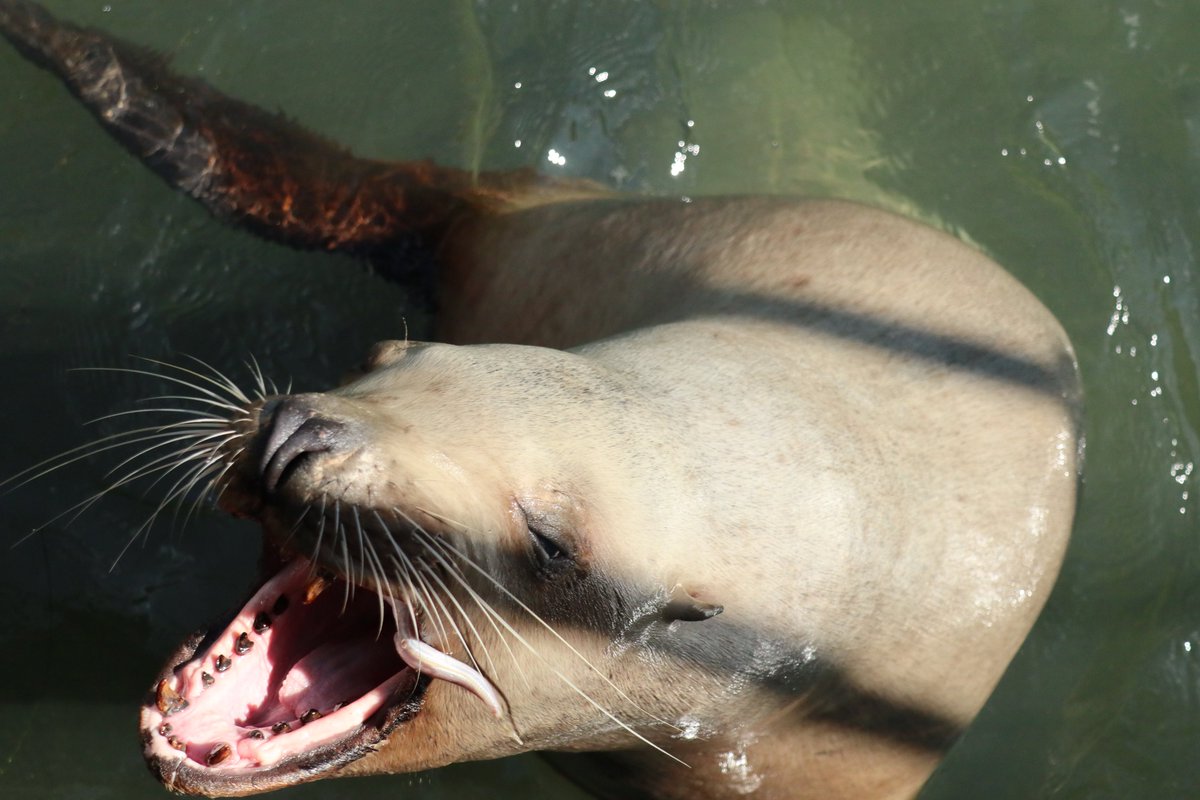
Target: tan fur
(838,494)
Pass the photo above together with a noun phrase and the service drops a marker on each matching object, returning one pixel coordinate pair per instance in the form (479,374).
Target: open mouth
(307,677)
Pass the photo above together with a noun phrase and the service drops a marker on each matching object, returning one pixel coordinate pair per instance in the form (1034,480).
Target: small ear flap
(683,606)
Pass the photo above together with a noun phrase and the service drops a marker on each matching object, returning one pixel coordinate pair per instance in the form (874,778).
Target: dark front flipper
(246,165)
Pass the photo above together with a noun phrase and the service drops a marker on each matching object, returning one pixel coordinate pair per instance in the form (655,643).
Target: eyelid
(548,544)
(554,547)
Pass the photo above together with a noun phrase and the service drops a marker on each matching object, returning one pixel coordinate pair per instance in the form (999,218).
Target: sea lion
(722,497)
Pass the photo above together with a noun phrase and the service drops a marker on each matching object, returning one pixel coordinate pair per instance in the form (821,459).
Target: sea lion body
(722,497)
(852,432)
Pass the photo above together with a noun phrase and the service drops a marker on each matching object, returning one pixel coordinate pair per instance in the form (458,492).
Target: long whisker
(240,412)
(220,382)
(362,574)
(164,465)
(78,454)
(498,618)
(340,533)
(256,371)
(423,584)
(197,441)
(171,495)
(320,532)
(363,542)
(622,724)
(404,567)
(410,590)
(206,491)
(218,400)
(385,585)
(190,448)
(474,631)
(232,460)
(214,464)
(450,621)
(549,628)
(146,469)
(484,606)
(296,525)
(194,417)
(401,572)
(183,485)
(380,573)
(430,608)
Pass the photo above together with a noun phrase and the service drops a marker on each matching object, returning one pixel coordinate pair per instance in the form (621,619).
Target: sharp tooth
(207,679)
(243,644)
(431,661)
(262,622)
(309,716)
(280,727)
(223,663)
(168,700)
(176,742)
(318,585)
(256,734)
(281,604)
(219,753)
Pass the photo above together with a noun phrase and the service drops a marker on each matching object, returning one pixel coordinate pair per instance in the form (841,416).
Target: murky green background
(1063,138)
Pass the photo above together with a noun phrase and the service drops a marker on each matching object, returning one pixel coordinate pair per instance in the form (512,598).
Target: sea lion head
(457,541)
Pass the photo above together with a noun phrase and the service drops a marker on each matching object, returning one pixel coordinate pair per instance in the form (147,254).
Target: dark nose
(296,430)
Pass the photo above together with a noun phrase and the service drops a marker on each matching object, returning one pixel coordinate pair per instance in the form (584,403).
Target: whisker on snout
(190,449)
(422,582)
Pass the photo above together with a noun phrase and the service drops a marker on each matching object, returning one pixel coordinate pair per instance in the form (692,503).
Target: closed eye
(549,549)
(552,558)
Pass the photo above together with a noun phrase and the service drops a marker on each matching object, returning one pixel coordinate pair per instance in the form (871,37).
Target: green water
(1063,138)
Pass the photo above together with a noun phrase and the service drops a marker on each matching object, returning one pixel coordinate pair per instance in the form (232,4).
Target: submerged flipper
(247,165)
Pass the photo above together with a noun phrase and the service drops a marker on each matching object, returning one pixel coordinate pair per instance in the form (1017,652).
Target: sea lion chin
(708,498)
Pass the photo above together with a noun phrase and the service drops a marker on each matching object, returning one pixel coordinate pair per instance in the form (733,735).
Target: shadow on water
(1061,140)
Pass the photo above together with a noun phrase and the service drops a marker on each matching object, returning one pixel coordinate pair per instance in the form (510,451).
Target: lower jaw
(252,707)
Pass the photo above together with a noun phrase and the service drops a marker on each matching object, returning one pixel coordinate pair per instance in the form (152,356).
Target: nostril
(297,431)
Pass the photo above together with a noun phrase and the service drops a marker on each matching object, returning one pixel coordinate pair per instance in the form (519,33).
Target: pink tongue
(333,673)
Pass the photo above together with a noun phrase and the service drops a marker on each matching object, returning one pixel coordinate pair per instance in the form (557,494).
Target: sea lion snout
(294,430)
